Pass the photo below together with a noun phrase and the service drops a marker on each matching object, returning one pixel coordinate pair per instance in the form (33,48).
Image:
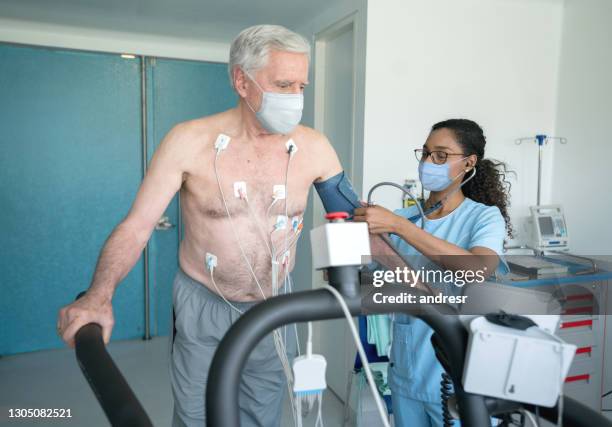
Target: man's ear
(239,79)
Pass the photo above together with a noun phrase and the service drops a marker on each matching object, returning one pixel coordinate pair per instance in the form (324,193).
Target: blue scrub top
(415,372)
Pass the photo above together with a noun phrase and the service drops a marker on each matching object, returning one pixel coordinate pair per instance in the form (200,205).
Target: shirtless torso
(261,165)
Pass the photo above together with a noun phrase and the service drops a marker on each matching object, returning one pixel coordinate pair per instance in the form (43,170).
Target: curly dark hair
(489,186)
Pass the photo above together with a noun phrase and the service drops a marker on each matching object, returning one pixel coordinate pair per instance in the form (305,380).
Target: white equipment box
(336,244)
(527,366)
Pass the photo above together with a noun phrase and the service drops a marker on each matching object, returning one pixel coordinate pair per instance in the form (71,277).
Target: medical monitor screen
(546,225)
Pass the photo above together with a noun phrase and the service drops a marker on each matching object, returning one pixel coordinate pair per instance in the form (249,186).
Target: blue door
(179,91)
(70,156)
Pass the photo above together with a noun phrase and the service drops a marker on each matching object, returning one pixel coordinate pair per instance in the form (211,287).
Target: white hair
(250,48)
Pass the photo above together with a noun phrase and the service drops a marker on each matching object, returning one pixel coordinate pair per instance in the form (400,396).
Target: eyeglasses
(438,157)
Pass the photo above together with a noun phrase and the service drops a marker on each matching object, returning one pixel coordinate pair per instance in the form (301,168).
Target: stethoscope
(432,209)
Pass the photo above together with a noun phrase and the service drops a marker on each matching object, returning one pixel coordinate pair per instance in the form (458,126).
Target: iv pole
(541,140)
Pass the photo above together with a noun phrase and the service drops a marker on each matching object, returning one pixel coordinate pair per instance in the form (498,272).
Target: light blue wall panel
(69,169)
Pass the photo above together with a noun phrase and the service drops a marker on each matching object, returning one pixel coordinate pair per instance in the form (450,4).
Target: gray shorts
(201,319)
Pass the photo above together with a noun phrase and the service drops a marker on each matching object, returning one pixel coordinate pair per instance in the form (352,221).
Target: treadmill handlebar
(117,399)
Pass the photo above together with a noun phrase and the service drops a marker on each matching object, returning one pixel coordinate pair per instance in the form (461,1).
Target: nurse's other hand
(379,219)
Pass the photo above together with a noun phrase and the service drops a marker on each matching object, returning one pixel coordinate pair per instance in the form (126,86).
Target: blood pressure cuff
(337,194)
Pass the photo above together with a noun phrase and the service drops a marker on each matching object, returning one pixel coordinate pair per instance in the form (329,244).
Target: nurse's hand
(379,219)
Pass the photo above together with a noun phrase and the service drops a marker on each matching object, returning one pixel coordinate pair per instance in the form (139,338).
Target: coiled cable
(446,391)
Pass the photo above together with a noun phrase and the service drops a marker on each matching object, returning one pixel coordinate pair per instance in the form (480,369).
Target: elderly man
(244,176)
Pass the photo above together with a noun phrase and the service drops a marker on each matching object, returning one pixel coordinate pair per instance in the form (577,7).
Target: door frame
(345,24)
(321,38)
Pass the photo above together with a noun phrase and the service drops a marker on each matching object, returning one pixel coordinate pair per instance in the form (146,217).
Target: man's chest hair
(258,178)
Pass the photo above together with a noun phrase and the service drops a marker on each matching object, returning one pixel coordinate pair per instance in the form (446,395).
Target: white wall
(584,116)
(103,40)
(493,61)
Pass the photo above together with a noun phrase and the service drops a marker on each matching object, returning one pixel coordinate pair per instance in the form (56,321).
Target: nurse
(472,221)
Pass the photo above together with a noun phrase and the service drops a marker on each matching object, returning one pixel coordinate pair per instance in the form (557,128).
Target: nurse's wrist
(399,225)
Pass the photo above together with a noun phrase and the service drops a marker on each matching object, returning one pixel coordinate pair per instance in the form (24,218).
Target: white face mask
(279,112)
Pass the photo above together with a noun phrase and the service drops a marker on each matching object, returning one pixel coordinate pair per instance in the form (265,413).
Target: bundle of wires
(280,342)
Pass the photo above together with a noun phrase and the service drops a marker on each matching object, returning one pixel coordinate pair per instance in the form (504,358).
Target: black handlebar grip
(117,399)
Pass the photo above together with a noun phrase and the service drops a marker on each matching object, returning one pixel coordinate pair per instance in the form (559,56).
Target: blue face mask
(436,177)
(279,112)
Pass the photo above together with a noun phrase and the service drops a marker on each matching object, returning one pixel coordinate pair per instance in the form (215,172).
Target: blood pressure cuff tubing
(337,194)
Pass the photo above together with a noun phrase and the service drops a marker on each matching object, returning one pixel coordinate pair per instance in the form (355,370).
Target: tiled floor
(52,379)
